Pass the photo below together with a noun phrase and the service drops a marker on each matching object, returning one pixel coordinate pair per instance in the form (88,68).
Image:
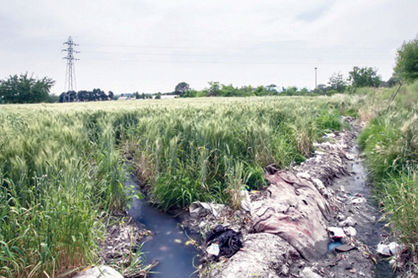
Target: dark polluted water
(370,231)
(168,242)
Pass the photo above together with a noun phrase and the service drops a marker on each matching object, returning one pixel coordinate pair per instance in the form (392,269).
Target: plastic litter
(199,209)
(213,249)
(336,232)
(394,248)
(245,201)
(334,244)
(348,222)
(388,250)
(226,240)
(383,250)
(350,231)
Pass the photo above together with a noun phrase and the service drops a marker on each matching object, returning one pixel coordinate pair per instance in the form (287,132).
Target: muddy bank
(314,220)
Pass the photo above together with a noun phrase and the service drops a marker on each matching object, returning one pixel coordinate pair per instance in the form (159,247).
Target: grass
(390,144)
(61,165)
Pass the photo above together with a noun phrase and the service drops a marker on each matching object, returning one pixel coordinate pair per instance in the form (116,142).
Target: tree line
(83,95)
(358,77)
(27,89)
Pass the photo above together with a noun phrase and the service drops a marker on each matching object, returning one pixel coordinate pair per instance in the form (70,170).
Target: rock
(102,271)
(307,272)
(336,232)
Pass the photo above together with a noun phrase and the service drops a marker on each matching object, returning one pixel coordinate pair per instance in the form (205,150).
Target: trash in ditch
(226,240)
(388,249)
(199,209)
(344,248)
(213,249)
(336,232)
(334,244)
(347,222)
(350,231)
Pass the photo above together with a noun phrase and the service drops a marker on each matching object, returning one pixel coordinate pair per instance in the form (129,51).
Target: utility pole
(316,78)
(70,80)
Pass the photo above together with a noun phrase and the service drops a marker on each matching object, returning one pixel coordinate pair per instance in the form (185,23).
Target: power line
(70,79)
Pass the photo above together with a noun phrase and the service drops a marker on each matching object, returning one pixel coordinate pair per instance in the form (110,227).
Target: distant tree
(62,97)
(337,82)
(261,91)
(304,91)
(321,89)
(364,77)
(214,89)
(158,95)
(111,95)
(272,88)
(407,61)
(228,91)
(181,88)
(291,91)
(83,95)
(25,89)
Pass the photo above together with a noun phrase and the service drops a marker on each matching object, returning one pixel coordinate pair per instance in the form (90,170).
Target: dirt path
(292,228)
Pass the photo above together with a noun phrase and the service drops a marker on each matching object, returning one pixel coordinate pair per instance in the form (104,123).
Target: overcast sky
(150,45)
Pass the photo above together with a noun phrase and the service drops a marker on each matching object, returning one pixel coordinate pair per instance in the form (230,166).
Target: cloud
(151,45)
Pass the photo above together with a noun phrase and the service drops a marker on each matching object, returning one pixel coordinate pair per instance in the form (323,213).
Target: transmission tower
(70,80)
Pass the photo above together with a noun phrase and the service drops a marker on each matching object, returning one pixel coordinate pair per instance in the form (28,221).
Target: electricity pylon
(70,80)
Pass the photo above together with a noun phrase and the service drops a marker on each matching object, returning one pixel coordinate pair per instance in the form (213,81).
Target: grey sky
(150,45)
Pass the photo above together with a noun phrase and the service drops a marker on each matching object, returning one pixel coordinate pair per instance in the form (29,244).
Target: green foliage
(221,90)
(407,60)
(181,88)
(255,177)
(329,121)
(25,89)
(55,182)
(83,95)
(390,143)
(61,164)
(364,77)
(337,83)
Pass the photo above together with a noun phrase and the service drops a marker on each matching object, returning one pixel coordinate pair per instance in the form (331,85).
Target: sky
(150,46)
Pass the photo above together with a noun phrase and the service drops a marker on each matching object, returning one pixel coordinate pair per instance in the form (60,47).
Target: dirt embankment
(292,228)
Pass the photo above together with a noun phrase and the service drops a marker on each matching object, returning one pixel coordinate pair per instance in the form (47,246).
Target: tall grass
(390,143)
(54,183)
(61,164)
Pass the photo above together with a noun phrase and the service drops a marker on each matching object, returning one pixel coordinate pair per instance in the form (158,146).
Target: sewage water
(369,228)
(168,242)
